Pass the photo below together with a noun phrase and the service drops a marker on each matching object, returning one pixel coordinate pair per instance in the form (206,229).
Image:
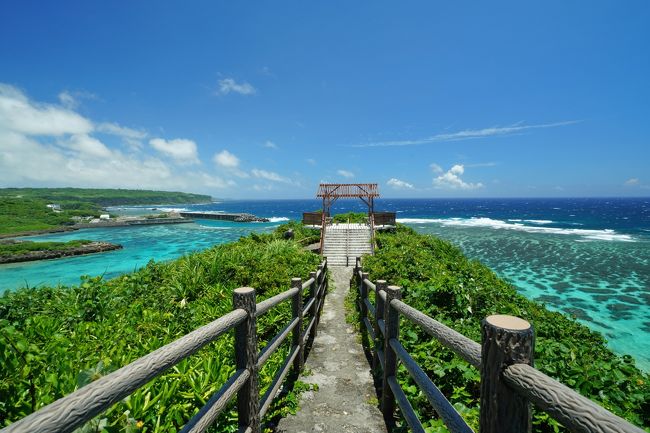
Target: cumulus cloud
(270,175)
(20,115)
(311,161)
(345,173)
(226,159)
(180,150)
(229,85)
(632,181)
(52,145)
(270,145)
(451,180)
(399,184)
(436,168)
(229,162)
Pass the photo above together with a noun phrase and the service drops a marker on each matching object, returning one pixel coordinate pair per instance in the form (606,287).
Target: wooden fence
(73,410)
(384,218)
(509,382)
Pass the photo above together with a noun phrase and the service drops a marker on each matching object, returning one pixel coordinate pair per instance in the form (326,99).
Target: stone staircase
(344,242)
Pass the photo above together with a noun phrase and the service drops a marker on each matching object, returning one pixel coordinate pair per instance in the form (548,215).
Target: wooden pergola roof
(330,192)
(348,190)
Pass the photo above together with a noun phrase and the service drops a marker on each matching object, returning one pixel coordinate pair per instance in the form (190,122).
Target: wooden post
(379,315)
(363,309)
(506,340)
(296,309)
(248,399)
(391,317)
(313,294)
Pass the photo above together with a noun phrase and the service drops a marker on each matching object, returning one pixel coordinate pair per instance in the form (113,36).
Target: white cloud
(399,184)
(270,145)
(67,100)
(345,173)
(51,145)
(311,161)
(436,168)
(451,180)
(19,115)
(230,162)
(180,149)
(229,85)
(468,134)
(226,159)
(632,181)
(132,137)
(86,145)
(120,131)
(71,100)
(270,175)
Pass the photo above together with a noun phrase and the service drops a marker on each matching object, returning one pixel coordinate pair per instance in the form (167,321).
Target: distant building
(104,216)
(54,207)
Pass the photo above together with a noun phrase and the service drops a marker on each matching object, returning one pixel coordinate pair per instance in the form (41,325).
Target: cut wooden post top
(244,290)
(508,322)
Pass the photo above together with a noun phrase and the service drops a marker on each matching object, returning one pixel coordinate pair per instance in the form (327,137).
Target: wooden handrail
(509,383)
(72,411)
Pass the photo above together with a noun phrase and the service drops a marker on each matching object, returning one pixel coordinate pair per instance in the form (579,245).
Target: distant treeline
(25,209)
(105,197)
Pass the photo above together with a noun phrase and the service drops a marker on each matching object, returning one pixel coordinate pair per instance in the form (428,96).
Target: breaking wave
(599,235)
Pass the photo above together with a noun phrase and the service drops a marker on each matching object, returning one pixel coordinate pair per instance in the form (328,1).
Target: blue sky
(267,99)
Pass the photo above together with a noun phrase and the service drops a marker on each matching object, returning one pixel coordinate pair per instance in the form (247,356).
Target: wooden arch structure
(330,192)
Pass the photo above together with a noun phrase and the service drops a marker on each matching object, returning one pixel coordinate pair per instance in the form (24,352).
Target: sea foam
(277,219)
(600,235)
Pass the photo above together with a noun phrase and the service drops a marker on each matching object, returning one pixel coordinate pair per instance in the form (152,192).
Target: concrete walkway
(345,400)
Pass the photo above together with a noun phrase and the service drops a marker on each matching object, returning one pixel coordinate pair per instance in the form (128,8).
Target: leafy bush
(353,217)
(55,339)
(437,279)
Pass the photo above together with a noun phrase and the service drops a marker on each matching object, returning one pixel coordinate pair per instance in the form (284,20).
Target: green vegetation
(18,248)
(25,209)
(352,217)
(437,279)
(105,197)
(56,339)
(25,214)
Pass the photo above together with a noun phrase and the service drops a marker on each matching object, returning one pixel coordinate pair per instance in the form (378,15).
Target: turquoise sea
(586,257)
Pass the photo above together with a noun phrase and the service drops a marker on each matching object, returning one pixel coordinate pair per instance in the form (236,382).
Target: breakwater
(235,217)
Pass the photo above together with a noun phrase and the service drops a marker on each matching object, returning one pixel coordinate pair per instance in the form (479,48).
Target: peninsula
(12,251)
(26,211)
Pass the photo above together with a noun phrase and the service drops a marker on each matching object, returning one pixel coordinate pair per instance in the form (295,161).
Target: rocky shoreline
(89,248)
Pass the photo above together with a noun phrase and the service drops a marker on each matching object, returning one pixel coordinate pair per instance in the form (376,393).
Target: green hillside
(105,197)
(25,209)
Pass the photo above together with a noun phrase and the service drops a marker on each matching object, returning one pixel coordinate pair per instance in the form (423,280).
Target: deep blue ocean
(586,257)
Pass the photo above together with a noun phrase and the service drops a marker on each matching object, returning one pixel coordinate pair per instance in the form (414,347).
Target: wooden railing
(312,218)
(509,382)
(73,410)
(384,218)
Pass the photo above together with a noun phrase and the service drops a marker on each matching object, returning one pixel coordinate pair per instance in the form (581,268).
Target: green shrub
(56,339)
(437,279)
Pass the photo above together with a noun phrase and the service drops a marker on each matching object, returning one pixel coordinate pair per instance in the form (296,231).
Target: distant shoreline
(99,225)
